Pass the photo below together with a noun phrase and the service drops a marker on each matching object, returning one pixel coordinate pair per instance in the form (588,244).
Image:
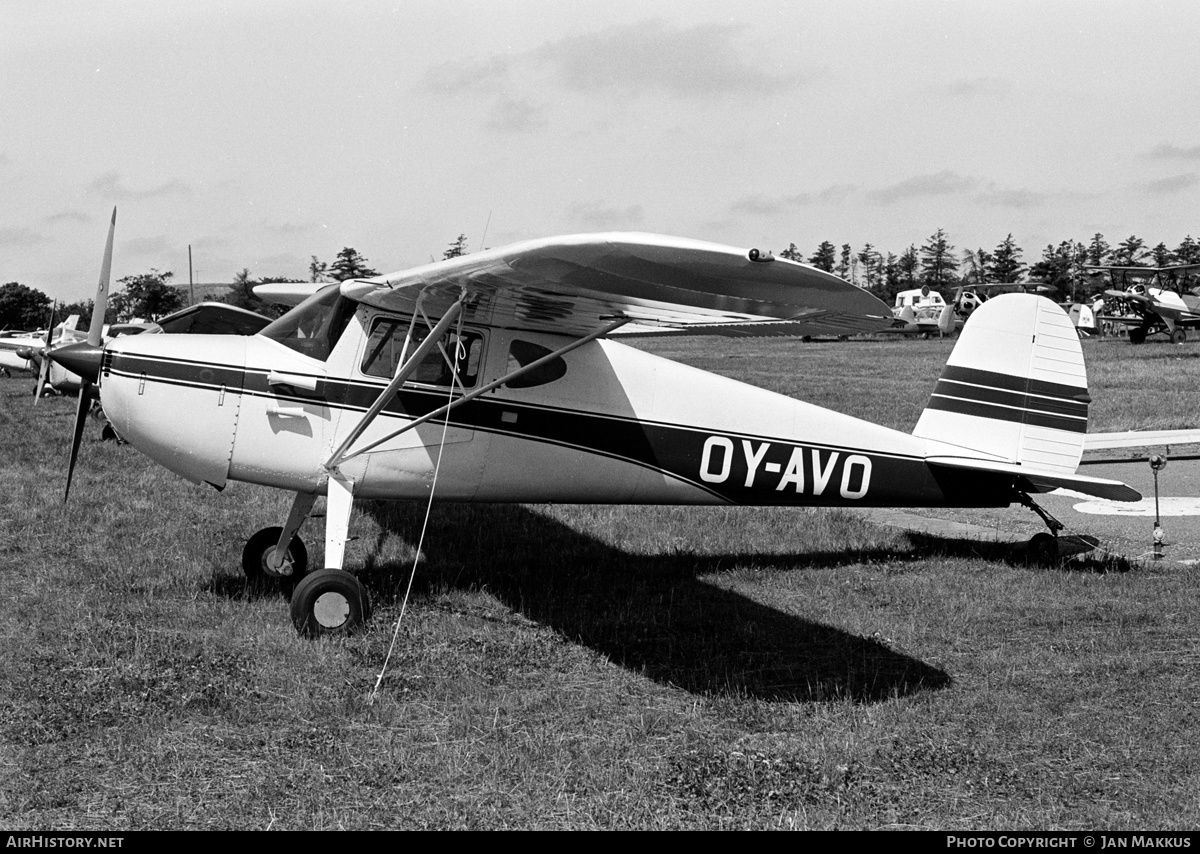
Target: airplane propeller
(84,358)
(44,366)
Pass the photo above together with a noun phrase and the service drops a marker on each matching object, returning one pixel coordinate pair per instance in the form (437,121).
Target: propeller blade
(85,404)
(50,326)
(95,330)
(43,374)
(44,367)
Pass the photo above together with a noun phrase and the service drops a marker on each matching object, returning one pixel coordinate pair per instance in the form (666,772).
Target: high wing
(580,284)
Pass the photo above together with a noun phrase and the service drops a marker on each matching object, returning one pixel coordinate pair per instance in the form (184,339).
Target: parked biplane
(1149,300)
(496,377)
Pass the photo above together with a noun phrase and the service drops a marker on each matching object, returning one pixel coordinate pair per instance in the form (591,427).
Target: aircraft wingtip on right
(496,377)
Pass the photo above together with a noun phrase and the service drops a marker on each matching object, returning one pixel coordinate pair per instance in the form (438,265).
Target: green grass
(592,667)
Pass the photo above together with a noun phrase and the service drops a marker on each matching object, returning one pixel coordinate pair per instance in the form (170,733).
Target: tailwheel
(329,602)
(1043,548)
(256,561)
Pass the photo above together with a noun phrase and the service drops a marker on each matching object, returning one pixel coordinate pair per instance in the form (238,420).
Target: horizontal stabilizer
(1139,439)
(1033,480)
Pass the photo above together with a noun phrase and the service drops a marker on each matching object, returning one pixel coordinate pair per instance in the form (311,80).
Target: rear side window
(522,353)
(385,345)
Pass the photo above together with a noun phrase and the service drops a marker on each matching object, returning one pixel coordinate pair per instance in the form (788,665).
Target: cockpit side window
(314,326)
(385,345)
(522,353)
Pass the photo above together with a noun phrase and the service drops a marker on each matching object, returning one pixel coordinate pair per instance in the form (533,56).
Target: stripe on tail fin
(1014,390)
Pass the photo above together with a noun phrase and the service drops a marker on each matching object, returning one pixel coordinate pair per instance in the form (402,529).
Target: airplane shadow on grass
(650,613)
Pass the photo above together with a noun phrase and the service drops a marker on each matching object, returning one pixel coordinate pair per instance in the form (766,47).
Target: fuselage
(604,423)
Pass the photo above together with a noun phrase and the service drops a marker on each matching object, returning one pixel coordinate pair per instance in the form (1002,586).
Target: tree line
(936,263)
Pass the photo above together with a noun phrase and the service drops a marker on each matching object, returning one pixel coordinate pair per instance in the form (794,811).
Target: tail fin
(1014,390)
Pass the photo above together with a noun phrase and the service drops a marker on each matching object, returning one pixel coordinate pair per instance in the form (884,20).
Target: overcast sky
(263,133)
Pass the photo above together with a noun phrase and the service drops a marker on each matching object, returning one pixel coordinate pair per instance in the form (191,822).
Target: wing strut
(403,371)
(342,453)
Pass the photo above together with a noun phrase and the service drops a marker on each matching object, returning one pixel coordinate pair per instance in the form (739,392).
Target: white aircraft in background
(922,311)
(495,377)
(23,352)
(29,353)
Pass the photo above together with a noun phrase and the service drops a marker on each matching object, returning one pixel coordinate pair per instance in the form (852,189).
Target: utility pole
(191,281)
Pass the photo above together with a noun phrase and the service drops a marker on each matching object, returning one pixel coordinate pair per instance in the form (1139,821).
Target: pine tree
(1006,264)
(937,261)
(792,253)
(825,257)
(350,265)
(458,247)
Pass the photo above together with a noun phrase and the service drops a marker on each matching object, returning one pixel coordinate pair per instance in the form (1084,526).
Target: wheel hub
(284,570)
(331,610)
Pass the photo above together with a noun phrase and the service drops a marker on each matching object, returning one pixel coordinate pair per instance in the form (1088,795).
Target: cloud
(650,57)
(515,115)
(1011,198)
(68,216)
(760,205)
(458,77)
(593,215)
(110,187)
(944,183)
(20,237)
(1173,184)
(148,246)
(1166,151)
(976,87)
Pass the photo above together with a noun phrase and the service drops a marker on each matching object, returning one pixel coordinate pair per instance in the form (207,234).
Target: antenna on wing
(485,228)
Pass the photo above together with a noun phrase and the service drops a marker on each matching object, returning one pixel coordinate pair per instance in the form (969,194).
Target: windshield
(314,326)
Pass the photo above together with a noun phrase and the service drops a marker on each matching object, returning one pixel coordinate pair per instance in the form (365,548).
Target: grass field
(593,667)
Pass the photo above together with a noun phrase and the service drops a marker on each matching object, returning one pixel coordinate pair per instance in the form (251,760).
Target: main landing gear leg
(331,601)
(277,555)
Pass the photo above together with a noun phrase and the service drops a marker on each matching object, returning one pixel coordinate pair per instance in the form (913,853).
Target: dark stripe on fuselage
(671,449)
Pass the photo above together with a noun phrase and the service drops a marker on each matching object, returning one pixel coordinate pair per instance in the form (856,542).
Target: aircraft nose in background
(83,359)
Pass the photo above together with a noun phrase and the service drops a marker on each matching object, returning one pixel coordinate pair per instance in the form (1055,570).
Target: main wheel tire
(1137,336)
(329,602)
(1043,549)
(259,574)
(1178,336)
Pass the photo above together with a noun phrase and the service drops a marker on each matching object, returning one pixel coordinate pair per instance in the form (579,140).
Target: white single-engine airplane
(493,377)
(23,352)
